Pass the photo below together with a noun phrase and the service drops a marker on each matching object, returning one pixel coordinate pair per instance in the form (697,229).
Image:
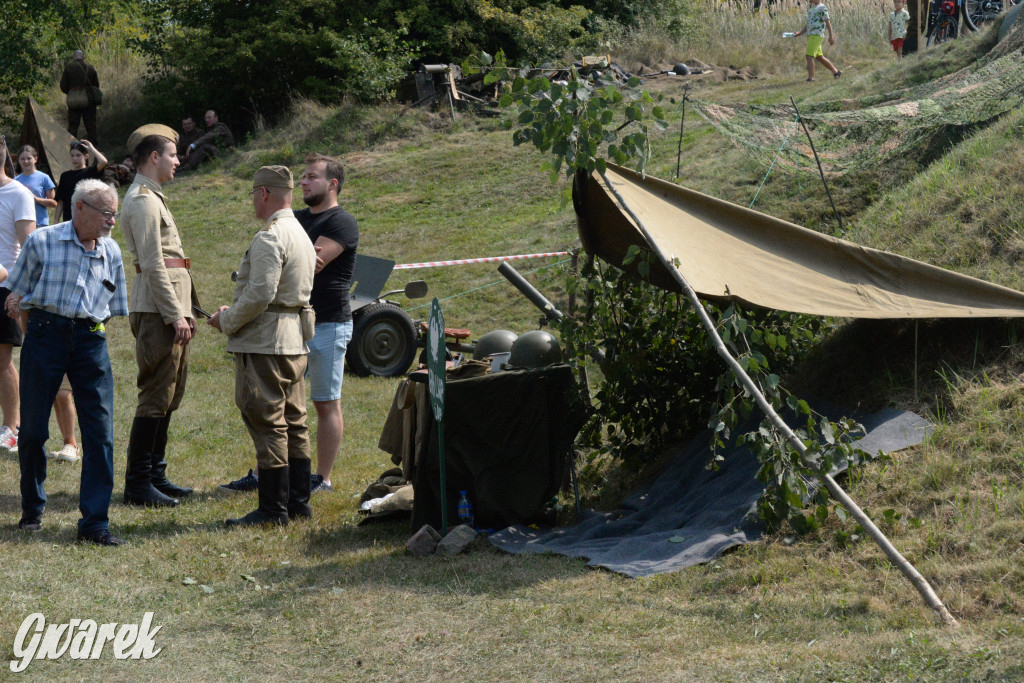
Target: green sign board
(435,387)
(436,359)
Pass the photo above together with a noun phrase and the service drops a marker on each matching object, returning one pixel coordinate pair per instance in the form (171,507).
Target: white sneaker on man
(8,439)
(69,453)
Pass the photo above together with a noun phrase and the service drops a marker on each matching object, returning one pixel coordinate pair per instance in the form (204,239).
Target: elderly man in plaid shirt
(70,280)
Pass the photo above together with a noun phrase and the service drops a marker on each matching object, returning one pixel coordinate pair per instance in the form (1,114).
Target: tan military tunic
(276,272)
(151,236)
(264,332)
(159,296)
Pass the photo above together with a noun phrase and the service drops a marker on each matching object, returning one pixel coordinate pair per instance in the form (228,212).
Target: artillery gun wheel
(383,341)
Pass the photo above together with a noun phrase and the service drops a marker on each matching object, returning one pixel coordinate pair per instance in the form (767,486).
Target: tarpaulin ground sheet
(689,514)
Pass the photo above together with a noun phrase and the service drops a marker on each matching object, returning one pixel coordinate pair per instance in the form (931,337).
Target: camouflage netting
(855,134)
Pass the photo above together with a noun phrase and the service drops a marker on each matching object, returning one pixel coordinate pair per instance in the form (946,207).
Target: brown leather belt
(171,263)
(277,308)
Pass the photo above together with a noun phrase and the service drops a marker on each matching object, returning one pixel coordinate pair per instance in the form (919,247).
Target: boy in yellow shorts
(818,20)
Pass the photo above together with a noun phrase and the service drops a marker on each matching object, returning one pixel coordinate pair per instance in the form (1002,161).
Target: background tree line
(251,58)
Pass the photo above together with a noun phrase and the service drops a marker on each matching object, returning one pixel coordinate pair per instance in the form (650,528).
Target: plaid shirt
(55,273)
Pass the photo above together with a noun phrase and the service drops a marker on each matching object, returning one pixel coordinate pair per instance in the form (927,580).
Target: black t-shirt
(66,186)
(330,286)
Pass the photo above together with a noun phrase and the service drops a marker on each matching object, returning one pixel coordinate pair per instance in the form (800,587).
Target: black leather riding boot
(298,489)
(138,485)
(159,459)
(273,506)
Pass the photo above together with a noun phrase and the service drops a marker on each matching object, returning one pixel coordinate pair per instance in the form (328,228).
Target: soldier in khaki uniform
(160,314)
(268,326)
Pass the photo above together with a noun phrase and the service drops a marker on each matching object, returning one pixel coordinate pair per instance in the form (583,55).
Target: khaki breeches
(271,394)
(163,365)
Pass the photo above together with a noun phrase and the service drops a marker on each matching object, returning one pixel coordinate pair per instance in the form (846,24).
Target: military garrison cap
(151,129)
(273,176)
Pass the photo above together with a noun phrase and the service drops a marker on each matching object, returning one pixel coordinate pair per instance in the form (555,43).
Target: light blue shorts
(325,367)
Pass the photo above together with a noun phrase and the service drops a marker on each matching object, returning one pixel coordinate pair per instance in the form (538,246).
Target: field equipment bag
(78,98)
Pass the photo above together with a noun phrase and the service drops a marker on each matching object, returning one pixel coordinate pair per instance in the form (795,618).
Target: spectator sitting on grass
(216,139)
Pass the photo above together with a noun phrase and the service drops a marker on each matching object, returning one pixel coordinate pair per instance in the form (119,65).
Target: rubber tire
(383,341)
(971,26)
(945,29)
(966,16)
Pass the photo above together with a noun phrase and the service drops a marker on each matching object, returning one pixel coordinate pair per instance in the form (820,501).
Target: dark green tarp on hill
(49,138)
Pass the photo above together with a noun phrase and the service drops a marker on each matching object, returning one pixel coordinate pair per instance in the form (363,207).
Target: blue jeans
(55,345)
(326,367)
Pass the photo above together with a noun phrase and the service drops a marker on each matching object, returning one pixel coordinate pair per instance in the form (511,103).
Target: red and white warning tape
(486,259)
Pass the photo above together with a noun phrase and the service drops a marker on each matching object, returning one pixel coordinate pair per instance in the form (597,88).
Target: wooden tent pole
(920,583)
(818,161)
(682,124)
(915,359)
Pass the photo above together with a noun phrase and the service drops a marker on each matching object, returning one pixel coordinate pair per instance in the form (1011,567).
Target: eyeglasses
(107,215)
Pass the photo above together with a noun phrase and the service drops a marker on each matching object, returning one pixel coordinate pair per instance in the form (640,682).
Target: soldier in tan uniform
(160,314)
(267,327)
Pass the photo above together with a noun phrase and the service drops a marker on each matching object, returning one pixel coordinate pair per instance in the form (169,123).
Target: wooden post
(682,124)
(818,161)
(916,27)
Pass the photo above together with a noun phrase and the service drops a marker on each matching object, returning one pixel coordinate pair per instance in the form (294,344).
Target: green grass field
(329,600)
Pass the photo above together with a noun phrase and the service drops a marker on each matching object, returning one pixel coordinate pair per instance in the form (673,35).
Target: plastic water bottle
(788,34)
(465,509)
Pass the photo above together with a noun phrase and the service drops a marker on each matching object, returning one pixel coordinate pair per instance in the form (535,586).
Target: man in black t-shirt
(335,236)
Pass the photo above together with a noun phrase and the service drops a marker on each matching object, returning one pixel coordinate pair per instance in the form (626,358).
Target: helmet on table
(498,341)
(535,349)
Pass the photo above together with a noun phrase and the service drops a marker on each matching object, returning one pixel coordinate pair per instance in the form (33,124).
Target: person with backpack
(81,85)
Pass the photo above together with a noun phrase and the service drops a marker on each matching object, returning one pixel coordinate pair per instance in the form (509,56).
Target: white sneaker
(69,453)
(8,439)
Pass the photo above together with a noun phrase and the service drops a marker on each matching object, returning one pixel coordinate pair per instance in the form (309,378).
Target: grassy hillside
(330,600)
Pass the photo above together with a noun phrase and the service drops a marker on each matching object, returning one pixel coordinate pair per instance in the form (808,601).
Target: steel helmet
(535,349)
(498,341)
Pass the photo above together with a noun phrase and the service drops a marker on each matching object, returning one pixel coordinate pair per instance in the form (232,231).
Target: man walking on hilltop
(160,315)
(77,82)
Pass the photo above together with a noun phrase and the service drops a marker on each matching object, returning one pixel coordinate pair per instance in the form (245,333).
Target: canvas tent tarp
(726,251)
(49,138)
